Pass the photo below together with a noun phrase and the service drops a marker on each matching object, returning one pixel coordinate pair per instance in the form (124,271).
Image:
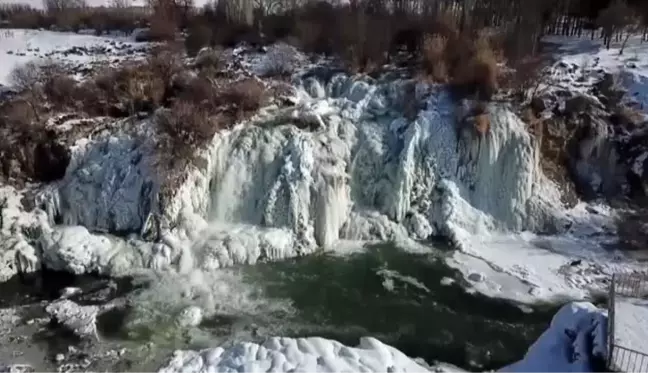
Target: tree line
(456,41)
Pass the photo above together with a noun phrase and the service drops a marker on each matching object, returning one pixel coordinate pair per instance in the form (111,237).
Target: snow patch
(575,338)
(295,355)
(19,46)
(630,331)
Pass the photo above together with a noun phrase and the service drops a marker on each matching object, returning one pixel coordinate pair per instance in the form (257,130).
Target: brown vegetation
(188,109)
(482,124)
(459,43)
(184,127)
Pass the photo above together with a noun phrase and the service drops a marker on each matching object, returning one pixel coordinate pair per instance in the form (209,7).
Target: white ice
(312,354)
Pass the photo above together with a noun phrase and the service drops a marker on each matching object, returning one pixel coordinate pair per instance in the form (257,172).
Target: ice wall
(354,158)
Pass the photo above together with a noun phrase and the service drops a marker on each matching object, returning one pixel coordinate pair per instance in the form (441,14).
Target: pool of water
(411,301)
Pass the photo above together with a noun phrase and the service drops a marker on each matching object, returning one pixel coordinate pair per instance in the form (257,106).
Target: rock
(69,291)
(16,368)
(190,316)
(447,281)
(59,358)
(609,91)
(538,104)
(578,104)
(81,320)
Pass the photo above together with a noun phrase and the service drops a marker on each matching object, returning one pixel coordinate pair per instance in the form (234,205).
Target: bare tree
(616,18)
(54,6)
(121,4)
(237,11)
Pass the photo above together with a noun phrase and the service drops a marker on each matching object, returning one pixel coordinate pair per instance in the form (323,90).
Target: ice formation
(269,189)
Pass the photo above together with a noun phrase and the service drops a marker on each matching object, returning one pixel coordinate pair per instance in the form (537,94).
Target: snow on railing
(622,358)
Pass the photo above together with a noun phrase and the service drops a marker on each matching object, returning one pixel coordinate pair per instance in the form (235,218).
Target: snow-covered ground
(19,46)
(528,267)
(577,334)
(631,332)
(581,63)
(295,355)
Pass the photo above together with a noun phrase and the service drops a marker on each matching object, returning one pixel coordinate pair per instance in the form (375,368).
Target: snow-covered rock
(295,355)
(16,368)
(81,320)
(575,339)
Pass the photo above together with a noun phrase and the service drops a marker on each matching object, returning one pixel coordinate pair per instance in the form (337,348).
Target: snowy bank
(19,46)
(295,355)
(575,342)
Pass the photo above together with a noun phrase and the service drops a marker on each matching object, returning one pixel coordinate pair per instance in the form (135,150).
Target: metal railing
(622,358)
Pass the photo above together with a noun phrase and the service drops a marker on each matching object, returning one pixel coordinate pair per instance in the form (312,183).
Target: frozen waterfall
(342,163)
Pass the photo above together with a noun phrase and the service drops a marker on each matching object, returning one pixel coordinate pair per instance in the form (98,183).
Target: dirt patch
(552,136)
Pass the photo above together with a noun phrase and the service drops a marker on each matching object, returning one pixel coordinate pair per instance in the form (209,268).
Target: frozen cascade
(268,189)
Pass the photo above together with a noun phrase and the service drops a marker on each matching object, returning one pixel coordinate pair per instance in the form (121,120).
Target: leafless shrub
(32,79)
(200,92)
(32,74)
(164,20)
(210,61)
(27,151)
(476,69)
(165,62)
(434,49)
(244,96)
(184,128)
(280,60)
(524,76)
(200,35)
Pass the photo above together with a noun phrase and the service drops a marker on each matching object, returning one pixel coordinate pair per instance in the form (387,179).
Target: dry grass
(434,60)
(476,69)
(482,124)
(244,96)
(183,128)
